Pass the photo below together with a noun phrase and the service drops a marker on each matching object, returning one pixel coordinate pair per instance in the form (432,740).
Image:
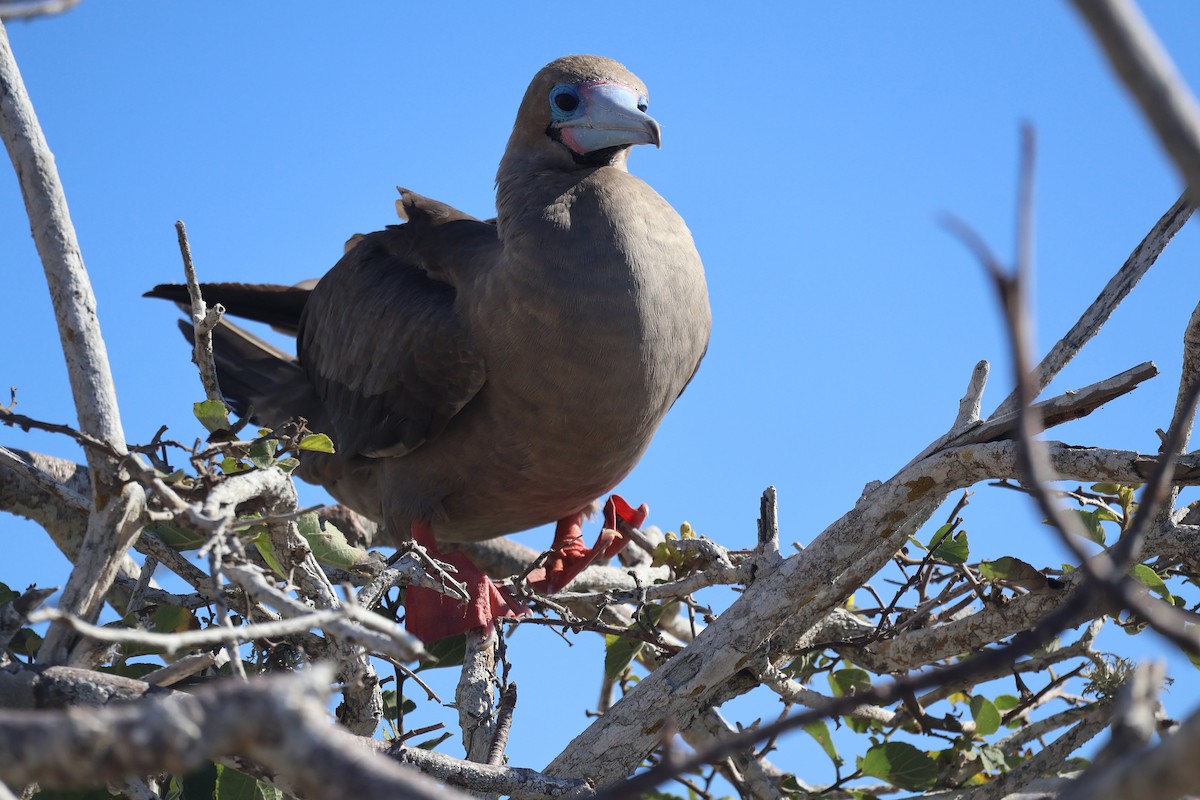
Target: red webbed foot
(570,556)
(430,615)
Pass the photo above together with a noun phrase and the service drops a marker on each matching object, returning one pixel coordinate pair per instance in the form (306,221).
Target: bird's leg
(569,556)
(430,615)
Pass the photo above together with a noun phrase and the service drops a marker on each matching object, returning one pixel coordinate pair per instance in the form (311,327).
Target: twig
(972,401)
(1114,292)
(203,321)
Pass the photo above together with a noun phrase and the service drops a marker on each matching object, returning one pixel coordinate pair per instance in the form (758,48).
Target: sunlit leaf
(900,764)
(232,466)
(262,543)
(262,453)
(820,731)
(993,758)
(1091,523)
(620,651)
(952,549)
(213,415)
(1151,580)
(851,680)
(1006,702)
(1014,571)
(986,715)
(317,443)
(430,744)
(328,543)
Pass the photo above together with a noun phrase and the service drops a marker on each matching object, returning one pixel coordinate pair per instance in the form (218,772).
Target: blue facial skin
(596,115)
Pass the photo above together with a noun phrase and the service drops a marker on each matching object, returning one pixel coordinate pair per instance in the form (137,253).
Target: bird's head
(582,111)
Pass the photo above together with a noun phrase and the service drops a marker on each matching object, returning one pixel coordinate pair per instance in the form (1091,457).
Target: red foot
(570,556)
(431,616)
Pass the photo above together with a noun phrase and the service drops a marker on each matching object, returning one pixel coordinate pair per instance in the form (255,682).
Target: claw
(570,556)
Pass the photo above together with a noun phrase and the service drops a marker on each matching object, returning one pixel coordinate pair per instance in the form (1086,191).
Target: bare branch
(279,723)
(116,520)
(202,320)
(1114,292)
(1147,71)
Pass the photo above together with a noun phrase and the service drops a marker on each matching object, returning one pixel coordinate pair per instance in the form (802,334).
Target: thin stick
(203,320)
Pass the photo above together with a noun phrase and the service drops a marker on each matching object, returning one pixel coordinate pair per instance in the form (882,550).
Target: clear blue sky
(810,147)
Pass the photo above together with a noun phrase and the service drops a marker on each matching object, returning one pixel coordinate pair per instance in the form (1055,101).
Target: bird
(483,377)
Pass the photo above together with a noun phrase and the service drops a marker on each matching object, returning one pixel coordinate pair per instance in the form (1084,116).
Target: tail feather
(278,306)
(258,379)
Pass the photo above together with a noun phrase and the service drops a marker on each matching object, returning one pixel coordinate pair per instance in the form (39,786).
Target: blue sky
(810,147)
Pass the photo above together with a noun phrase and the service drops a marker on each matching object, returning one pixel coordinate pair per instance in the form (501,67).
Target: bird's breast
(605,317)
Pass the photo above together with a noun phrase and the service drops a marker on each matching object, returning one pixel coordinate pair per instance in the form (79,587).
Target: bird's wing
(381,339)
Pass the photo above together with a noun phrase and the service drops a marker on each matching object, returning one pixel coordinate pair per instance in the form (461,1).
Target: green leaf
(287,463)
(804,666)
(213,415)
(7,595)
(262,453)
(234,785)
(1150,579)
(99,793)
(851,680)
(232,466)
(390,709)
(820,731)
(172,619)
(25,642)
(201,784)
(328,543)
(176,536)
(900,764)
(985,714)
(1006,702)
(1091,523)
(262,543)
(620,651)
(430,744)
(993,758)
(137,670)
(953,549)
(448,652)
(1014,571)
(318,443)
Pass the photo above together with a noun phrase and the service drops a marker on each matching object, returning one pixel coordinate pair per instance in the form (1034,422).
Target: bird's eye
(566,101)
(643,104)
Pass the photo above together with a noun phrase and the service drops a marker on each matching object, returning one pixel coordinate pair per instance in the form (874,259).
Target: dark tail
(278,306)
(259,380)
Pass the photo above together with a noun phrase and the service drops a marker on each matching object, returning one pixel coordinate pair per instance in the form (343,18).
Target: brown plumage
(490,377)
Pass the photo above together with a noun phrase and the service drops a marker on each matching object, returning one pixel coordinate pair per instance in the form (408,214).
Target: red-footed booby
(481,378)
